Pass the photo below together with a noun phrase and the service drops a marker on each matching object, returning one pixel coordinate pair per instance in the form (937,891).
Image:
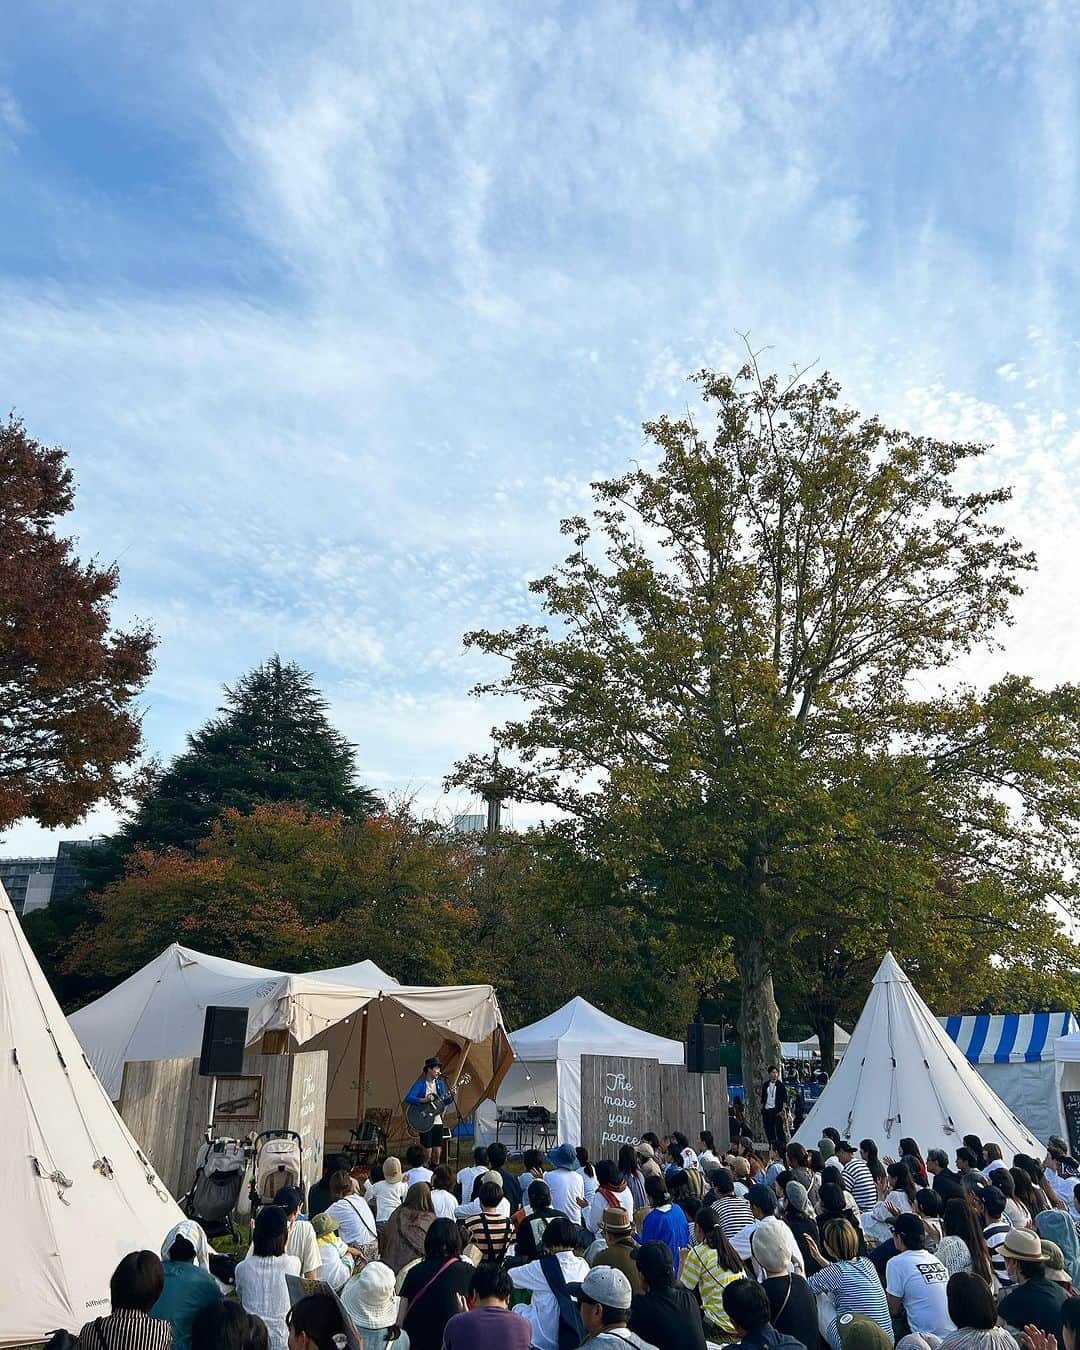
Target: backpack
(571,1327)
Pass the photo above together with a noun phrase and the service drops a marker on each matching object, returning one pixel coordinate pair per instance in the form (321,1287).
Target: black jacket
(767,1338)
(781,1093)
(948,1185)
(670,1319)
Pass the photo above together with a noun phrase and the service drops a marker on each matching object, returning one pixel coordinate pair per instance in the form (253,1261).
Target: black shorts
(435,1137)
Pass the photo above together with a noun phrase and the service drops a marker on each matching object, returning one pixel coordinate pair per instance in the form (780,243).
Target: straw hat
(616,1220)
(369,1297)
(1022,1245)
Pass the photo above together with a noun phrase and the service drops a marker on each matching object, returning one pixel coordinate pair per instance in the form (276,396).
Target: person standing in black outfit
(774,1097)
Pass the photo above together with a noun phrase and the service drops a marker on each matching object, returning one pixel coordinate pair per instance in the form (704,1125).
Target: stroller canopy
(356,1013)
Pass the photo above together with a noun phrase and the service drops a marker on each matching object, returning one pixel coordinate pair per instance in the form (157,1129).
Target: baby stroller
(278,1163)
(220,1166)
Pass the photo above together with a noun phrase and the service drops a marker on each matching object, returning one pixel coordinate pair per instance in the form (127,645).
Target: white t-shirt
(542,1313)
(301,1243)
(415,1174)
(770,1095)
(594,1215)
(467,1180)
(444,1203)
(566,1189)
(918,1279)
(708,1160)
(357,1223)
(261,1288)
(1016,1213)
(385,1196)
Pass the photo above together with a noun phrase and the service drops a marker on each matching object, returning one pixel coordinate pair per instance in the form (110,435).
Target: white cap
(608,1286)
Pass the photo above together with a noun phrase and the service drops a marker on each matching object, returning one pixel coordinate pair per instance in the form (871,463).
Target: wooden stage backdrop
(166,1105)
(621,1098)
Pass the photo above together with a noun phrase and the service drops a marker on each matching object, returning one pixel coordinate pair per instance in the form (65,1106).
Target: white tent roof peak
(889,971)
(578,1028)
(903,1075)
(158,1013)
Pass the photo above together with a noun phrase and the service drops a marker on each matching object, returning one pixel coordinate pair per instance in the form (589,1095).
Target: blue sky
(337,308)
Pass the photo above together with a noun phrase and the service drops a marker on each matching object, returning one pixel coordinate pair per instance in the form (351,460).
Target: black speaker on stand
(704,1042)
(223,1041)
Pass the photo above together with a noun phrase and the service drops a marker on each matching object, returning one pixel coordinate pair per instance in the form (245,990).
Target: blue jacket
(417,1094)
(188,1289)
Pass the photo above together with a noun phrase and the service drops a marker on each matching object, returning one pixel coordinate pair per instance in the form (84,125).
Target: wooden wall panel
(166,1106)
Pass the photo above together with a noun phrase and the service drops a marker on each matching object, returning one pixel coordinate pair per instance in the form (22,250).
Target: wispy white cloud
(456,263)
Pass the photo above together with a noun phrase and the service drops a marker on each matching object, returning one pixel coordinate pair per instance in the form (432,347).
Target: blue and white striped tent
(1014,1053)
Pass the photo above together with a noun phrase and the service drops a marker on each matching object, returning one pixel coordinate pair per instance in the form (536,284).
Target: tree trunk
(825,1031)
(758,1018)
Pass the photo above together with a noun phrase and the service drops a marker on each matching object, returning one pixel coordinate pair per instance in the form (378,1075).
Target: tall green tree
(272,741)
(727,696)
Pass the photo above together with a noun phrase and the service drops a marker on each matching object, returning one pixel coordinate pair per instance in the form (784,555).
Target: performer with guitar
(426,1101)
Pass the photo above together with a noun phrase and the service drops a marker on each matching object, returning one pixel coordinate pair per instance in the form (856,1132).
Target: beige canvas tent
(78,1193)
(376,1032)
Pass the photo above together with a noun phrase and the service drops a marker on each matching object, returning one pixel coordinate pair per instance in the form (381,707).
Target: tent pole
(361,1086)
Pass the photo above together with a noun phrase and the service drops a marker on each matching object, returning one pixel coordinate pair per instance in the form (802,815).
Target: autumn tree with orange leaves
(68,680)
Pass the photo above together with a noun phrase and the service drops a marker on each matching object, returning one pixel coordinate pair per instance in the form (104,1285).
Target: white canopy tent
(903,1075)
(547,1064)
(1067,1073)
(840,1041)
(810,1047)
(376,1032)
(1014,1053)
(78,1193)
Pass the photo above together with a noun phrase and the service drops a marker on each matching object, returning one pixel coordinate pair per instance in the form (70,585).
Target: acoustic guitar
(421,1115)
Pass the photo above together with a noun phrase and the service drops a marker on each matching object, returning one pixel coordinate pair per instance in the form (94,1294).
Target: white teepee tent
(902,1075)
(78,1193)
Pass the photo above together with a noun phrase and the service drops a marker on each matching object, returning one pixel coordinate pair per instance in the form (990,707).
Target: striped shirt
(861,1184)
(995,1234)
(126,1329)
(702,1271)
(734,1214)
(854,1287)
(491,1234)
